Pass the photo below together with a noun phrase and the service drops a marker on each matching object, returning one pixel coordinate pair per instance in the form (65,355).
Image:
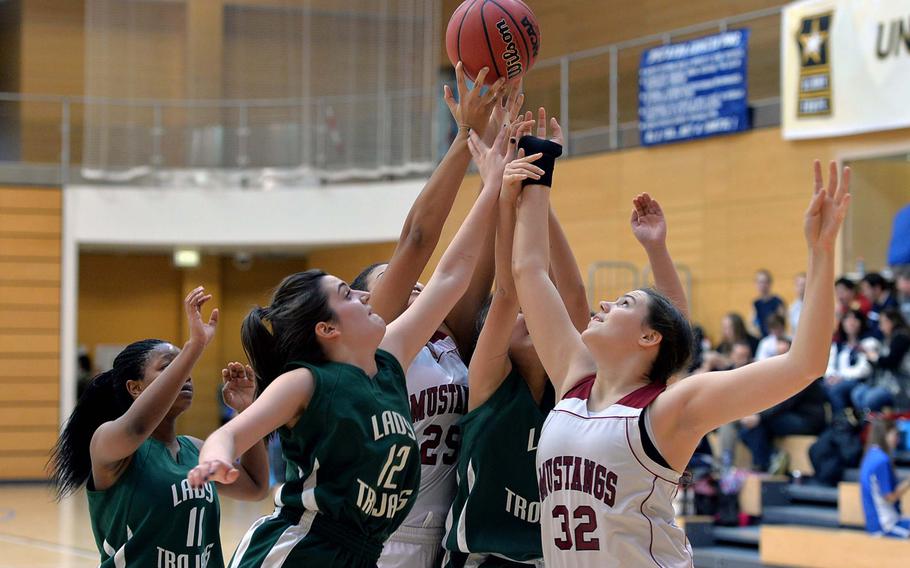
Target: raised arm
(557,341)
(405,336)
(281,404)
(566,275)
(118,439)
(490,362)
(423,225)
(701,403)
(462,319)
(650,229)
(239,393)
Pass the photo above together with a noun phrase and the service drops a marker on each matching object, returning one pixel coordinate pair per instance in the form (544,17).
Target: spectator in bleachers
(892,366)
(777,330)
(849,298)
(796,307)
(848,365)
(902,291)
(766,303)
(802,414)
(878,290)
(733,330)
(879,485)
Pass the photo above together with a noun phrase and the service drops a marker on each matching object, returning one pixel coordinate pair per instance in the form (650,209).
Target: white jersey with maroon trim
(604,502)
(438,390)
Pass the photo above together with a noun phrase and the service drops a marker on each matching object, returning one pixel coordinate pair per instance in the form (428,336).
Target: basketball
(500,34)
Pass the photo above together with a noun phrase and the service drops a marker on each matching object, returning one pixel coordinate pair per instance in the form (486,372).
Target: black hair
(677,340)
(896,317)
(846,283)
(298,304)
(863,324)
(105,398)
(360,282)
(876,280)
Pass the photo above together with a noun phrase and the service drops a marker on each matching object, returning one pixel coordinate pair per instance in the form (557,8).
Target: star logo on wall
(813,42)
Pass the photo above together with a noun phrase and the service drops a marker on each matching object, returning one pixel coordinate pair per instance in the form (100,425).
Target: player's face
(354,317)
(377,273)
(159,360)
(618,323)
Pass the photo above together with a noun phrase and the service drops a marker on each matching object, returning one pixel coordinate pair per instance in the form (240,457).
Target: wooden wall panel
(734,204)
(30,226)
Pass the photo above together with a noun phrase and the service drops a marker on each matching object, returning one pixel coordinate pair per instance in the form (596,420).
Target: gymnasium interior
(150,146)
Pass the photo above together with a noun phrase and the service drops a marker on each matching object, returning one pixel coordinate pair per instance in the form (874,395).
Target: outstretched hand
(506,109)
(473,107)
(516,171)
(492,160)
(828,208)
(200,333)
(648,222)
(214,470)
(555,129)
(239,390)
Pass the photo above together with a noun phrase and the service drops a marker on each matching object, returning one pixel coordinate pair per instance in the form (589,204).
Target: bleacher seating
(802,525)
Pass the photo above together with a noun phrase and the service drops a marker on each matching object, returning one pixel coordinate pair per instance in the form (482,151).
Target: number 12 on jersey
(379,500)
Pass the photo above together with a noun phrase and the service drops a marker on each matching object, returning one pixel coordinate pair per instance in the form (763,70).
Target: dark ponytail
(105,398)
(677,341)
(285,330)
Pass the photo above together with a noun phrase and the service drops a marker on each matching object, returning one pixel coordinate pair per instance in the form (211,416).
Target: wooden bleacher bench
(797,447)
(805,547)
(850,506)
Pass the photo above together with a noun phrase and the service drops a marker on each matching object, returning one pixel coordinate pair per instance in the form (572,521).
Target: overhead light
(186,258)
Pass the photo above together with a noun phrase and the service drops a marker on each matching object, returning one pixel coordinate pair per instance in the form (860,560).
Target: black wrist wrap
(550,150)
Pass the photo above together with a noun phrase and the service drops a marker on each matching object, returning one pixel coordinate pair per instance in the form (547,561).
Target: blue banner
(694,89)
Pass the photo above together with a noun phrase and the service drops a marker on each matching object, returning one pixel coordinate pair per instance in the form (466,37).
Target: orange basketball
(500,34)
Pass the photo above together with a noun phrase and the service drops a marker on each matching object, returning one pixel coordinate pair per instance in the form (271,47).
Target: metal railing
(264,142)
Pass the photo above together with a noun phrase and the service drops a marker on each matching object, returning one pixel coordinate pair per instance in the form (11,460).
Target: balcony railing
(45,139)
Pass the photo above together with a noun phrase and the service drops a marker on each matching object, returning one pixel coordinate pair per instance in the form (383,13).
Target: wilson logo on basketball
(531,32)
(510,55)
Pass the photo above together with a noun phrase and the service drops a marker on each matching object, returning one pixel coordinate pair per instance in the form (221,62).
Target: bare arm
(649,226)
(696,405)
(281,404)
(557,340)
(406,335)
(424,223)
(118,439)
(462,318)
(490,363)
(239,393)
(566,275)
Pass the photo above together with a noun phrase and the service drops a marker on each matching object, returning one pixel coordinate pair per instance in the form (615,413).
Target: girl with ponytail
(120,442)
(333,384)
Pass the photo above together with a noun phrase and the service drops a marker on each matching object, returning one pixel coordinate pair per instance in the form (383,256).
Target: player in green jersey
(333,377)
(120,441)
(495,519)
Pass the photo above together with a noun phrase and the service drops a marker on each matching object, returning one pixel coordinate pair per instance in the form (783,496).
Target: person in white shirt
(777,330)
(797,306)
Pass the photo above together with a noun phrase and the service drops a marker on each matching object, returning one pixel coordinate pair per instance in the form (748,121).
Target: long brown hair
(878,433)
